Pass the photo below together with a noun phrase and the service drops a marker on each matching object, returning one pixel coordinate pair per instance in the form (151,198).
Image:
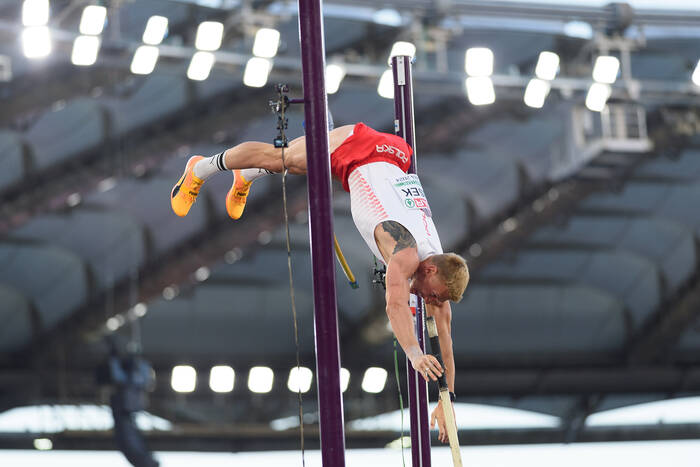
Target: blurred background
(558,143)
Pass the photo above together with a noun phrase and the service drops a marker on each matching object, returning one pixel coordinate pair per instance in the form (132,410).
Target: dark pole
(330,403)
(404,126)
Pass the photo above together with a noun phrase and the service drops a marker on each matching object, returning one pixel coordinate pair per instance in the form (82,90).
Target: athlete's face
(427,284)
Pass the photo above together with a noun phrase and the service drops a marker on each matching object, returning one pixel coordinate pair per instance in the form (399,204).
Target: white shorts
(379,192)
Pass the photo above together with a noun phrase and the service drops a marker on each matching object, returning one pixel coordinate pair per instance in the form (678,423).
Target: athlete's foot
(237,195)
(185,192)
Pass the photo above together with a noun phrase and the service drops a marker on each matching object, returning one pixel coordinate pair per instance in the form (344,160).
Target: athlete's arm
(443,320)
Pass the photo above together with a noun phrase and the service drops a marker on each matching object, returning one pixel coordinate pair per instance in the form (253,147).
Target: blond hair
(453,272)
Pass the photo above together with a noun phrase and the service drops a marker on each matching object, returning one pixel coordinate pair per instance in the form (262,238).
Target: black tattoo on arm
(400,234)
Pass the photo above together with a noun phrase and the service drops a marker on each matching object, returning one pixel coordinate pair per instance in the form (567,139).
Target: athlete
(390,211)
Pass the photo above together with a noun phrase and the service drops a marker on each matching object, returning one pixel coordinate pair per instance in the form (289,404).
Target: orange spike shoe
(237,195)
(185,192)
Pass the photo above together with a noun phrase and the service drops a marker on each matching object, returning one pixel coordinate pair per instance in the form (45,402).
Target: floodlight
(696,74)
(183,378)
(221,378)
(200,66)
(257,70)
(93,20)
(547,66)
(209,36)
(605,69)
(536,92)
(478,61)
(85,49)
(334,76)
(144,60)
(344,379)
(156,29)
(266,43)
(35,12)
(43,444)
(299,379)
(480,91)
(260,379)
(402,48)
(597,96)
(36,42)
(374,380)
(386,85)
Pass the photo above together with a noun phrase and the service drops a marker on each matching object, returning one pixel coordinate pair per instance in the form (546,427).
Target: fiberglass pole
(330,403)
(404,126)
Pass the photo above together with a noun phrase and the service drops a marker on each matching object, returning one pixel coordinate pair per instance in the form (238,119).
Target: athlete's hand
(438,416)
(428,366)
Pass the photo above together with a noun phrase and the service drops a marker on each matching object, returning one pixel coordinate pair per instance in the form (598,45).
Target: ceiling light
(183,378)
(386,85)
(257,70)
(605,69)
(221,378)
(209,36)
(480,91)
(597,96)
(156,29)
(374,380)
(299,379)
(478,61)
(344,379)
(266,43)
(43,444)
(85,49)
(200,66)
(334,76)
(144,60)
(36,42)
(93,20)
(260,379)
(547,66)
(536,93)
(35,12)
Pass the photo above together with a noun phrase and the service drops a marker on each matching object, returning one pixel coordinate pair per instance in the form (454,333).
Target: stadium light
(385,88)
(605,69)
(209,36)
(85,49)
(183,378)
(266,43)
(374,380)
(257,70)
(144,60)
(480,90)
(260,379)
(36,42)
(696,74)
(35,12)
(299,379)
(547,66)
(156,29)
(344,379)
(597,96)
(221,378)
(402,48)
(536,92)
(334,76)
(93,20)
(200,66)
(478,61)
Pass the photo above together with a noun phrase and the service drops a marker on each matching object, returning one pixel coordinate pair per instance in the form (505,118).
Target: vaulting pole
(404,126)
(330,402)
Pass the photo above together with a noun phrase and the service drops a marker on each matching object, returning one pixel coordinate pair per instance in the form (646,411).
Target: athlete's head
(441,277)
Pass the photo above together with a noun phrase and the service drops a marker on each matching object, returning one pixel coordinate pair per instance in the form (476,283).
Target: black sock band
(219,158)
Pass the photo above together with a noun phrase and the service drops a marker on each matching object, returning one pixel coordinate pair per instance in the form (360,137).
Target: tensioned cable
(291,286)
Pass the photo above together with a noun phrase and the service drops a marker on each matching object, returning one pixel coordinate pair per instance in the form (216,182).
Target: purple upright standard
(404,126)
(330,402)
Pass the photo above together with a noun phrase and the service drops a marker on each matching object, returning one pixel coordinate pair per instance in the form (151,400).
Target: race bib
(410,192)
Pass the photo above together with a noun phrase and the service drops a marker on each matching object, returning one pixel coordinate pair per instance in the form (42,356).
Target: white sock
(209,166)
(253,174)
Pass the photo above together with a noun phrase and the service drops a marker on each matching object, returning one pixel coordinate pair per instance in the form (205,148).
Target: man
(390,211)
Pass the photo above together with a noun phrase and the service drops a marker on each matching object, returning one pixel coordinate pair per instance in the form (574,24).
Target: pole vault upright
(404,126)
(330,403)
